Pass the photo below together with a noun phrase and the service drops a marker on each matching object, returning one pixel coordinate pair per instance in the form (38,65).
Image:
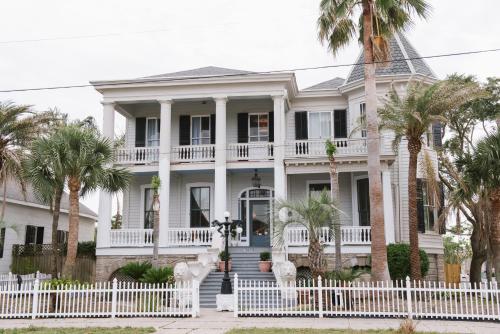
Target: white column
(279,147)
(164,169)
(105,198)
(388,207)
(220,198)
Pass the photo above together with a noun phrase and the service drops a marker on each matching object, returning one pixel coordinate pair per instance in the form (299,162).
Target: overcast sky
(253,35)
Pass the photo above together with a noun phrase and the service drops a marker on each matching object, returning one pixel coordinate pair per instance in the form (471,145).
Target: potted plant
(222,259)
(265,263)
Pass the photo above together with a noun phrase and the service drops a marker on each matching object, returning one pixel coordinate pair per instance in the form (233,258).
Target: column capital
(108,103)
(220,98)
(282,96)
(165,101)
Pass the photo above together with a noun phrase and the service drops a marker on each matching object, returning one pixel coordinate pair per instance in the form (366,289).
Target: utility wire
(173,79)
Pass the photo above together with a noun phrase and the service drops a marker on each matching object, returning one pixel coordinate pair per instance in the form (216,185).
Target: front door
(363,202)
(259,215)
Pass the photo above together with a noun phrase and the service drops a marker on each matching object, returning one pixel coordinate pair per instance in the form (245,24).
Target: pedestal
(225,302)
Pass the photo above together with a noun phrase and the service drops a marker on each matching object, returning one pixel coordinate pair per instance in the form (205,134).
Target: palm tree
(483,169)
(155,186)
(331,149)
(337,27)
(314,213)
(410,117)
(85,157)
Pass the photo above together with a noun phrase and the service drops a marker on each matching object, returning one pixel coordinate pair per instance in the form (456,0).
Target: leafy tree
(410,117)
(399,261)
(337,26)
(456,251)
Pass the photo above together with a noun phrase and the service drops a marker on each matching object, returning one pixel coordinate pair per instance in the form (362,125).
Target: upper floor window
(320,125)
(152,132)
(425,206)
(258,126)
(362,119)
(34,235)
(200,130)
(199,206)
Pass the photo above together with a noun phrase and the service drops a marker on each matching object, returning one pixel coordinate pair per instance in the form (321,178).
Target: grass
(92,330)
(309,331)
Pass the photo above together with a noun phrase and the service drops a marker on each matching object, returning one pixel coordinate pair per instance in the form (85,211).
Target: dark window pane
(200,207)
(2,241)
(39,235)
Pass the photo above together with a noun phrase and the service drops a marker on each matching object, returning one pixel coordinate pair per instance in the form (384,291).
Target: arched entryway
(255,206)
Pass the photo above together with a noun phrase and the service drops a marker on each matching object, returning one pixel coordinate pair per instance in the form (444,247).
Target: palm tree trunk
(334,189)
(414,147)
(74,210)
(55,225)
(380,270)
(495,229)
(315,256)
(479,250)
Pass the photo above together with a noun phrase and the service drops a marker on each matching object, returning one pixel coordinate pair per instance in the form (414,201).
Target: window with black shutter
(437,134)
(184,130)
(425,207)
(243,128)
(340,123)
(212,129)
(271,126)
(301,125)
(140,132)
(2,241)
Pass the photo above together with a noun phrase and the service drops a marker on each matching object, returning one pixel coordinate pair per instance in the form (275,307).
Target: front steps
(245,262)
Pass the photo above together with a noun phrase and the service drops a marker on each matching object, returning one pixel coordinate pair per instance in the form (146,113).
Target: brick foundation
(106,265)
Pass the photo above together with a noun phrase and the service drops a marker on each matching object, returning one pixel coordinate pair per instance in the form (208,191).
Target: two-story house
(231,140)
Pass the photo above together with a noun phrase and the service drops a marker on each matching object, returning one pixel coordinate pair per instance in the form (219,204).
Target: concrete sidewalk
(212,322)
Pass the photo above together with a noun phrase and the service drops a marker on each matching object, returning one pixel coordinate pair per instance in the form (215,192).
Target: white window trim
(332,135)
(309,182)
(248,127)
(354,192)
(147,134)
(188,201)
(143,191)
(191,129)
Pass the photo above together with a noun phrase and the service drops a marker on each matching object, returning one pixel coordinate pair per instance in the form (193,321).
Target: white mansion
(230,140)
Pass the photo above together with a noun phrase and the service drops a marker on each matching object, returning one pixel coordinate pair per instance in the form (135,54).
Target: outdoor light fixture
(256,180)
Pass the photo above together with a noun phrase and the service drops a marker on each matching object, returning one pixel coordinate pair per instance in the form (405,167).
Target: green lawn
(309,331)
(93,330)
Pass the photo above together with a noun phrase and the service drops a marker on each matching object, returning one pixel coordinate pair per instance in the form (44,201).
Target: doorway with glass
(255,212)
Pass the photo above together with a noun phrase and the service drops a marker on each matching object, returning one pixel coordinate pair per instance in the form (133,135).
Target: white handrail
(190,236)
(193,153)
(137,155)
(250,151)
(350,235)
(131,238)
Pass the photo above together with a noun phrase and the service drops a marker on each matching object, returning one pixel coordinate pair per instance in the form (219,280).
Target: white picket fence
(104,299)
(327,298)
(10,279)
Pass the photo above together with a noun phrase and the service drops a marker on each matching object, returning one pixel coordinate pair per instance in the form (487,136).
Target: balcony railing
(131,237)
(315,148)
(193,153)
(350,235)
(137,155)
(176,237)
(190,237)
(250,151)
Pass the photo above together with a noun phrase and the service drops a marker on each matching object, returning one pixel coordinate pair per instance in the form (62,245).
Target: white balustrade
(137,155)
(350,235)
(193,153)
(190,236)
(131,237)
(250,151)
(314,148)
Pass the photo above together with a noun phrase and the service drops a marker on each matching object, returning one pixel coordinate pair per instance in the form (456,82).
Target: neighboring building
(211,133)
(29,221)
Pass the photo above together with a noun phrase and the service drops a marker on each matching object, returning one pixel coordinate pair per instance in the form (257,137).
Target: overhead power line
(172,79)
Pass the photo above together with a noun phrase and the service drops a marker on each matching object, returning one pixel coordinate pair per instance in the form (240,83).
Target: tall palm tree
(85,157)
(410,117)
(483,169)
(331,149)
(314,213)
(337,27)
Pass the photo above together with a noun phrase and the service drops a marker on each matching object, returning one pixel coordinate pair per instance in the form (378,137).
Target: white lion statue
(285,272)
(182,273)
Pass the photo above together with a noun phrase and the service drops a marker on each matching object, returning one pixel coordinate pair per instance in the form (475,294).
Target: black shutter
(442,227)
(340,123)
(212,129)
(271,126)
(184,130)
(243,128)
(140,132)
(29,237)
(301,125)
(437,134)
(420,206)
(39,235)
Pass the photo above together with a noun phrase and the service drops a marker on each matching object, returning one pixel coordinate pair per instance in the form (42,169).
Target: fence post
(113,297)
(235,296)
(34,306)
(196,298)
(37,274)
(320,297)
(9,282)
(408,297)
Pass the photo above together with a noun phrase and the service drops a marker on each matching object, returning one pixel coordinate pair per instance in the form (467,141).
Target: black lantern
(256,180)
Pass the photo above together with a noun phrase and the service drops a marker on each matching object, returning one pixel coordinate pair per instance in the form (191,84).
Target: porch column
(388,207)
(220,199)
(279,147)
(164,169)
(105,198)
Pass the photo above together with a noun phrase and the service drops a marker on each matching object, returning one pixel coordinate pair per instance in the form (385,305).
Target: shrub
(136,270)
(223,255)
(61,283)
(158,275)
(347,275)
(398,258)
(265,256)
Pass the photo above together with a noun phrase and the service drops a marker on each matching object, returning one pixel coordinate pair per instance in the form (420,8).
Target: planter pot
(222,264)
(265,266)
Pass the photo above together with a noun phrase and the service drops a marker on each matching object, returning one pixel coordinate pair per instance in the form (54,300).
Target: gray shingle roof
(400,49)
(201,72)
(329,84)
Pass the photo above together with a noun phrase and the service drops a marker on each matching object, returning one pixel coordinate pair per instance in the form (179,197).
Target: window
(62,237)
(425,206)
(2,241)
(199,207)
(148,208)
(200,130)
(362,119)
(34,235)
(315,189)
(320,125)
(152,132)
(258,126)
